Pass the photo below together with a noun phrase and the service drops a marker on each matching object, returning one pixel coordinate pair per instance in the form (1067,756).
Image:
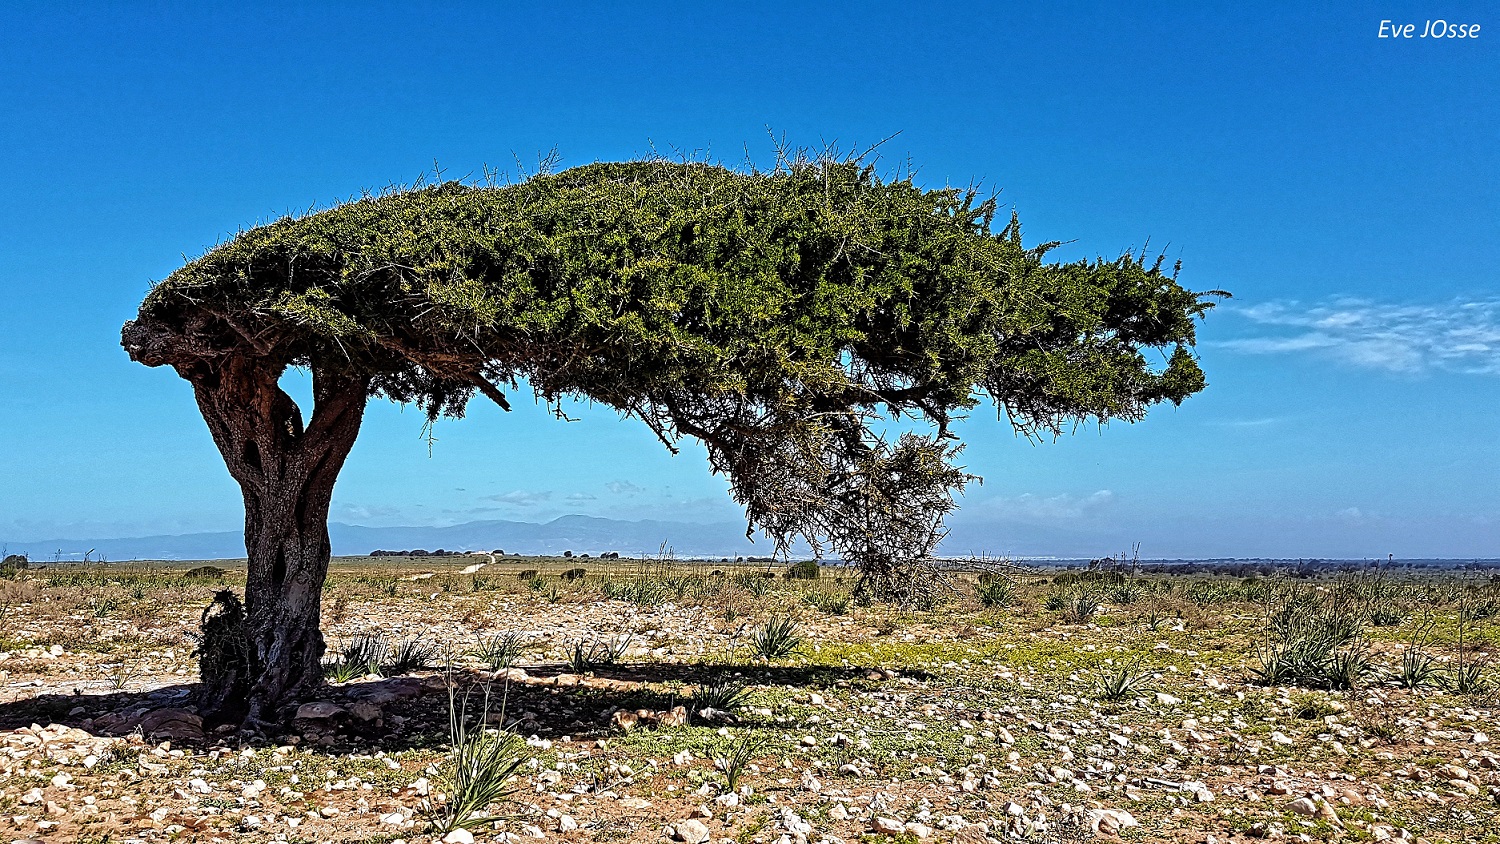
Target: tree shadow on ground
(412,711)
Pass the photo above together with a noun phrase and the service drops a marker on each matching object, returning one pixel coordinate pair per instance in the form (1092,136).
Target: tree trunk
(286,473)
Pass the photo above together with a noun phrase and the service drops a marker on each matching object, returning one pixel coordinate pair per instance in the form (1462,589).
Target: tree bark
(286,473)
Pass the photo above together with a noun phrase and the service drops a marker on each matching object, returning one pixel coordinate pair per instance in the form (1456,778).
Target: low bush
(205,573)
(500,651)
(1121,682)
(777,638)
(1316,641)
(804,570)
(995,592)
(724,694)
(828,602)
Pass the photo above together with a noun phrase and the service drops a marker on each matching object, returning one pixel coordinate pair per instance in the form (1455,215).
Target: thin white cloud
(1412,339)
(1052,508)
(367,511)
(1245,423)
(624,488)
(521,497)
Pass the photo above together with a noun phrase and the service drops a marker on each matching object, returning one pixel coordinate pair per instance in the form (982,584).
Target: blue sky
(1345,188)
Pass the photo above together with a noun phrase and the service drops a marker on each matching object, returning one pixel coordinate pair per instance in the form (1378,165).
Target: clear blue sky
(1346,188)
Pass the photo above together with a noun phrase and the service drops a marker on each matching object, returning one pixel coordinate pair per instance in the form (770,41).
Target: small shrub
(223,651)
(527,574)
(338,671)
(734,760)
(1121,682)
(1081,609)
(1347,668)
(804,570)
(614,649)
(119,676)
(777,638)
(754,584)
(1478,610)
(641,591)
(410,655)
(1382,728)
(827,602)
(1418,669)
(1311,707)
(995,592)
(591,653)
(104,606)
(584,657)
(205,573)
(572,575)
(724,694)
(1315,642)
(479,768)
(366,653)
(1467,675)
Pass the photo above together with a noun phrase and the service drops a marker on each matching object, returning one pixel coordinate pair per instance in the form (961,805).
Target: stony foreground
(961,724)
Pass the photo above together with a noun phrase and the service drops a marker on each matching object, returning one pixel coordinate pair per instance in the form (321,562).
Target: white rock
(691,831)
(1110,821)
(1164,699)
(459,836)
(1302,806)
(888,826)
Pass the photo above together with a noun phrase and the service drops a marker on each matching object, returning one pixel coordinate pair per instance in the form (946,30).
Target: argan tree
(783,318)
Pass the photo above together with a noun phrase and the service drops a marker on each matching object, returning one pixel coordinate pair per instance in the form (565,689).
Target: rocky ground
(963,723)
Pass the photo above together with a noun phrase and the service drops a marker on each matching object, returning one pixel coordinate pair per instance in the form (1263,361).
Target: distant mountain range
(579,534)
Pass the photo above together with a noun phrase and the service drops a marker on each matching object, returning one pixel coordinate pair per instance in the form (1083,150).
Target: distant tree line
(1306,568)
(498,552)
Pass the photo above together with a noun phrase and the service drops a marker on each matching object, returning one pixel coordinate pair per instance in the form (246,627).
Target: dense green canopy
(769,314)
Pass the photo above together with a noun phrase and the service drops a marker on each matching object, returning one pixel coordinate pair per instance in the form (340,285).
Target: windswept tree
(783,318)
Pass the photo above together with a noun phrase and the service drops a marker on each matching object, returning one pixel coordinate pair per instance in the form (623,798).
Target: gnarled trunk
(286,472)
